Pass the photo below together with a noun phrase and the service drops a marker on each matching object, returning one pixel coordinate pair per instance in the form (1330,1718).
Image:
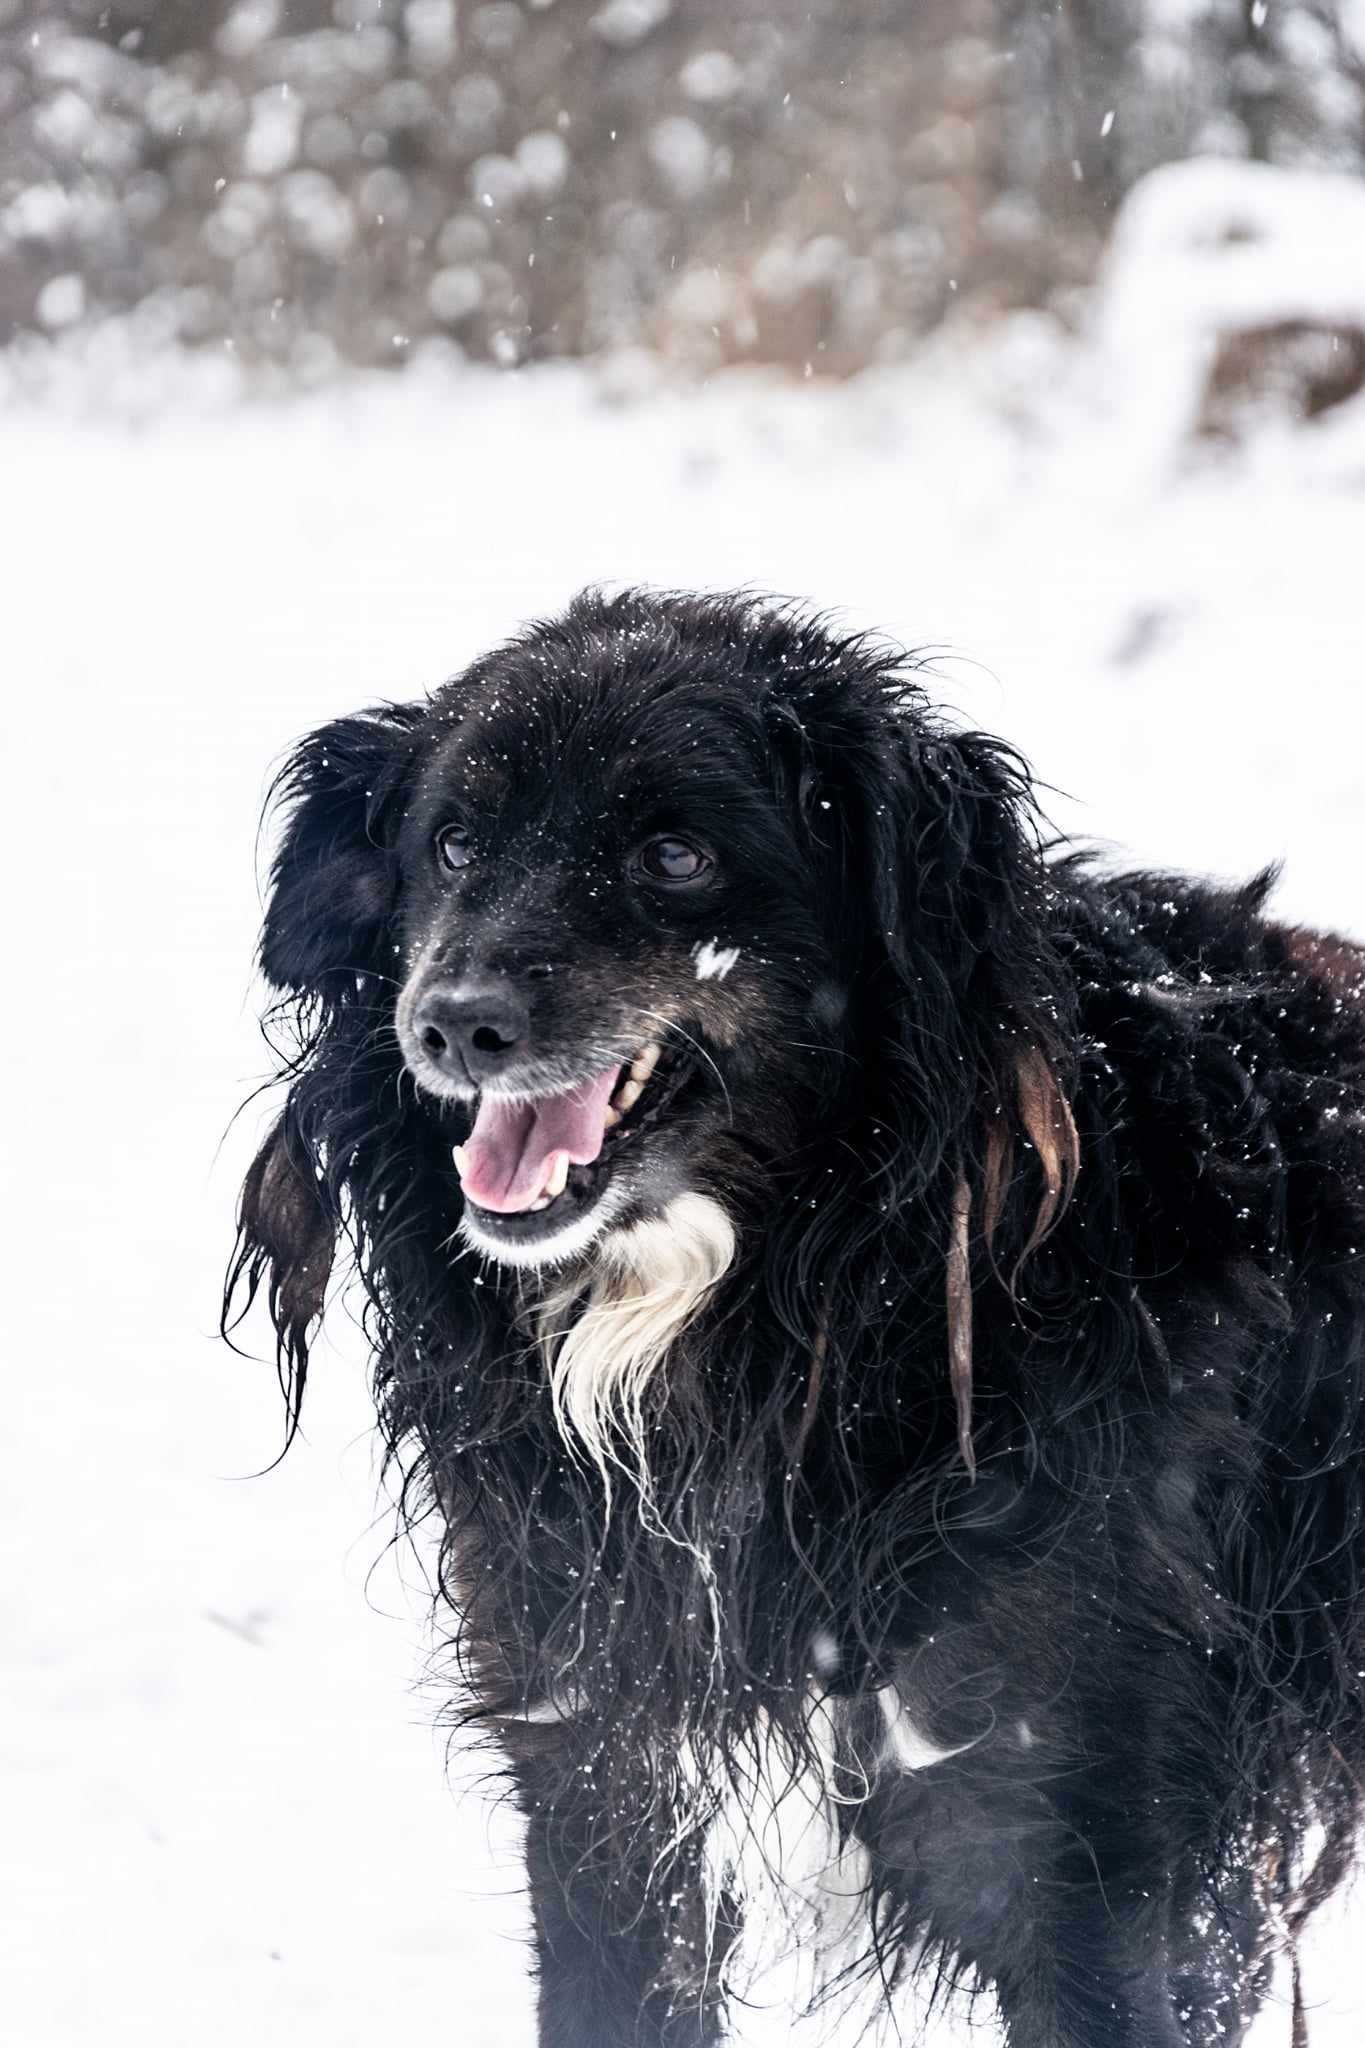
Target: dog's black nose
(471,1032)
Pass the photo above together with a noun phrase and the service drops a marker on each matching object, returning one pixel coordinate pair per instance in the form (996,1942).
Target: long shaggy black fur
(1030,1402)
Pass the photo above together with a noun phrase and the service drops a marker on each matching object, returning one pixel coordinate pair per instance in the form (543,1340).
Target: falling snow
(205,1798)
(1136,560)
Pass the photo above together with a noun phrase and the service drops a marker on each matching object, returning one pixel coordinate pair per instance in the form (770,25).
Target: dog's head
(622,964)
(658,900)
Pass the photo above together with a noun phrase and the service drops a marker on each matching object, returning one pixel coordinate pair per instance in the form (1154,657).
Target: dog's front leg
(620,1955)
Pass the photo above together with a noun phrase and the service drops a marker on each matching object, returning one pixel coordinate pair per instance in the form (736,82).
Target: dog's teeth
(541,1202)
(631,1089)
(461,1158)
(644,1063)
(613,1116)
(559,1175)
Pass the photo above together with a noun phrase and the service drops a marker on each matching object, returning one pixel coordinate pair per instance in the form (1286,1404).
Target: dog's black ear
(333,882)
(960,893)
(957,947)
(956,874)
(286,1238)
(324,943)
(963,987)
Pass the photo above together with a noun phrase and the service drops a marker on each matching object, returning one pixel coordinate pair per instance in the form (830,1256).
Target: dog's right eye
(452,847)
(673,860)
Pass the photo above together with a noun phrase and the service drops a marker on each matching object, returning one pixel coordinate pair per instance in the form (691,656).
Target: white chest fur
(647,1282)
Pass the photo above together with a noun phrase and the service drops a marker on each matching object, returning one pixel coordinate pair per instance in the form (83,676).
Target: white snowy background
(227,1816)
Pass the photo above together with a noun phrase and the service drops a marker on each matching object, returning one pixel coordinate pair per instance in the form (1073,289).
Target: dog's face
(616,949)
(661,900)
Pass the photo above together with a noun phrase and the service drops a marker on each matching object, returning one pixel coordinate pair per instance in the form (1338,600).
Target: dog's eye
(452,847)
(673,860)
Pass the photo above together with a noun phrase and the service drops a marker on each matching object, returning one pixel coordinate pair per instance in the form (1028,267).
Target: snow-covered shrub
(1229,287)
(829,180)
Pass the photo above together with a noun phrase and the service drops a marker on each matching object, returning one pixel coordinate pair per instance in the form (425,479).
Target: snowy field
(226,1814)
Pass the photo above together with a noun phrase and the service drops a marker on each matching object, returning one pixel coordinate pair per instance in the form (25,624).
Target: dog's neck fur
(606,1329)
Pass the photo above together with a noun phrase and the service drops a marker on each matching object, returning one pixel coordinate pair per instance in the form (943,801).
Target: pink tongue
(507,1156)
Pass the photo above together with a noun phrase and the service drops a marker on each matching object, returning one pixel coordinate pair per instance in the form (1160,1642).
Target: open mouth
(533,1168)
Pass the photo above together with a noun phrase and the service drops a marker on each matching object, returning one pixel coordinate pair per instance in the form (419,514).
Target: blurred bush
(812,184)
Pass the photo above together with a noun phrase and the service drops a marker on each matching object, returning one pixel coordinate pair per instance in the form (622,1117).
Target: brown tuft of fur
(1051,1129)
(281,1213)
(1329,958)
(959,1280)
(996,1175)
(1046,1116)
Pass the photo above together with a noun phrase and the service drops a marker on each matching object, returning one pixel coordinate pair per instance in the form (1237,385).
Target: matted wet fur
(914,1467)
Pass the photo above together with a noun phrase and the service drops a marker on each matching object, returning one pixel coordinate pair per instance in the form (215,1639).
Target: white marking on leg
(775,1851)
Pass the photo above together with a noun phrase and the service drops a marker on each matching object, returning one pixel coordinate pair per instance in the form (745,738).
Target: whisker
(670,1024)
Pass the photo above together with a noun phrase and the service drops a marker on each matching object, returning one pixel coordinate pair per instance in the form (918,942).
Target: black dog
(879,1312)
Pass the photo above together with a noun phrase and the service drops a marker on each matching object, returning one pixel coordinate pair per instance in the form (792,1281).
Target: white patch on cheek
(714,961)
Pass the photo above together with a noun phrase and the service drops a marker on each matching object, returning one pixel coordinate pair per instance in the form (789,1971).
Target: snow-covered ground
(225,1811)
